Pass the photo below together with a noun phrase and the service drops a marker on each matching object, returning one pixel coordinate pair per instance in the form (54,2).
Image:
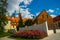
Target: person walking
(54,28)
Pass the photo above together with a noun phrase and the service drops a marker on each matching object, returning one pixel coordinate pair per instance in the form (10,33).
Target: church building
(44,16)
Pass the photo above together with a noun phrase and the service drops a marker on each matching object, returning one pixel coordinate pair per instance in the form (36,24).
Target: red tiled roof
(15,20)
(7,17)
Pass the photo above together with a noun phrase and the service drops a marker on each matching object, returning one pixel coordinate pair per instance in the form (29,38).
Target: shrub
(11,31)
(29,22)
(30,34)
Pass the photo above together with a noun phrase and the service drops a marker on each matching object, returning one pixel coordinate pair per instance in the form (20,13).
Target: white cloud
(53,15)
(25,13)
(17,16)
(37,13)
(50,10)
(14,5)
(23,6)
(27,2)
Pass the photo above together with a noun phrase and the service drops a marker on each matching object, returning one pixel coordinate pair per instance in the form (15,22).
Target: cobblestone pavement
(53,37)
(6,38)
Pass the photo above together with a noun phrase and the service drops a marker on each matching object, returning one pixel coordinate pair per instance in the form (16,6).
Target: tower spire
(19,9)
(19,13)
(20,24)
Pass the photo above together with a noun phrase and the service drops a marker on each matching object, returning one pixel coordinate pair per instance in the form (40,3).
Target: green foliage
(29,22)
(4,34)
(20,22)
(22,38)
(3,20)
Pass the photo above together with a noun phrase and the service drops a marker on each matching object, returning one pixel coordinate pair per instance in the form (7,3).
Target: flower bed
(30,34)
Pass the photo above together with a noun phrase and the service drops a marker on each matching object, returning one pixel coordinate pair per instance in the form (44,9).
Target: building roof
(15,19)
(43,11)
(55,19)
(8,18)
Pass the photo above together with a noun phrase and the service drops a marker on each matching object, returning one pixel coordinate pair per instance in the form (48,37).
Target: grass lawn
(4,34)
(25,39)
(22,38)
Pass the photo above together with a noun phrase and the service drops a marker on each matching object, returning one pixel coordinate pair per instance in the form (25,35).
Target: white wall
(42,27)
(8,26)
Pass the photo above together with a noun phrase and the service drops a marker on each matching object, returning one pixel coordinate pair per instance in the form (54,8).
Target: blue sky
(34,7)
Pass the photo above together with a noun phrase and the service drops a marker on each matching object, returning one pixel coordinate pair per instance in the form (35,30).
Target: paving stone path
(53,37)
(6,38)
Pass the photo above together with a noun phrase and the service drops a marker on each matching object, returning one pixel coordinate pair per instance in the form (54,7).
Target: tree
(20,21)
(20,24)
(3,10)
(29,22)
